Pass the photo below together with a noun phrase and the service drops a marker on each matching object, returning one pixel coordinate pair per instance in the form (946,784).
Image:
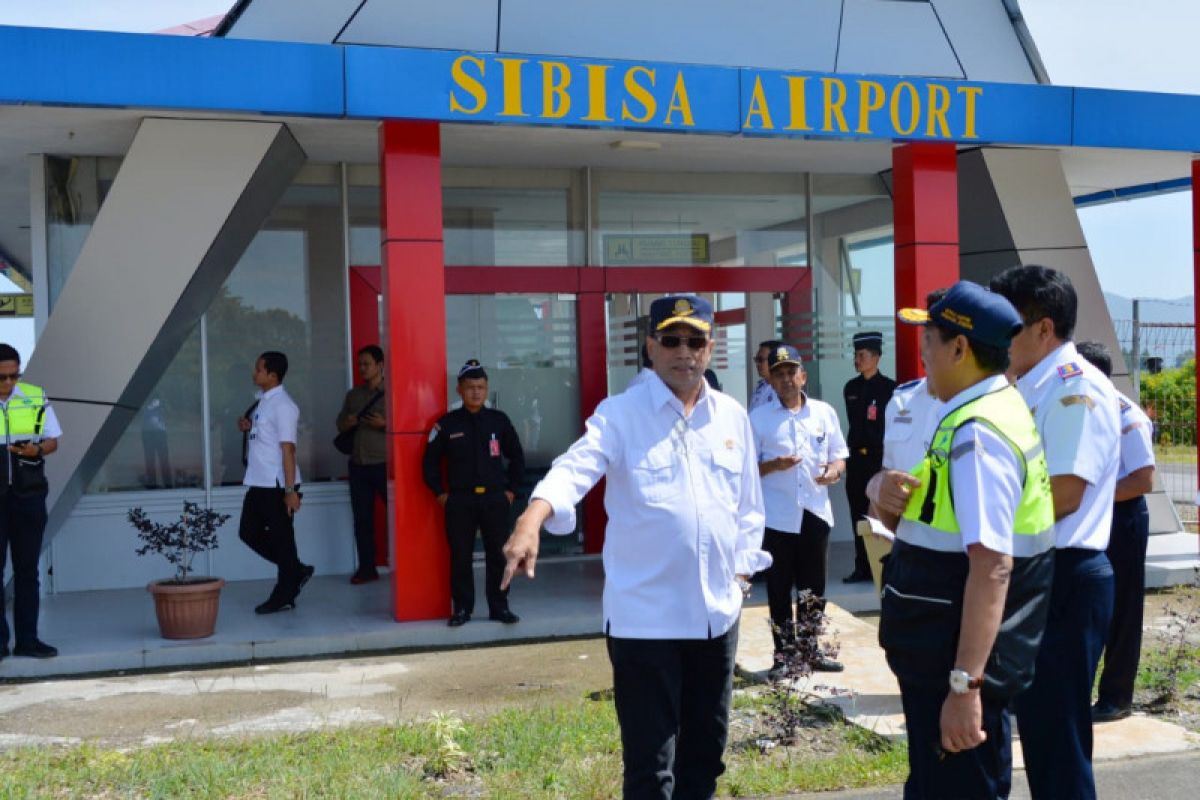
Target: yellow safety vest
(24,415)
(930,513)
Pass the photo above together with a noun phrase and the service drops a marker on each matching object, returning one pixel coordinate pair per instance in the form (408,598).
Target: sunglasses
(671,341)
(10,376)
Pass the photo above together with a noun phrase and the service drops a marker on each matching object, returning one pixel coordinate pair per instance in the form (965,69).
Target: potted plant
(186,605)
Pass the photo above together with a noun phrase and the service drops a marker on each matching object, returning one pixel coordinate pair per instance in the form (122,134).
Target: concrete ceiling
(25,130)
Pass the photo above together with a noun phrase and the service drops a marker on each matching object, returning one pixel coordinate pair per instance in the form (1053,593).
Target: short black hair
(1098,354)
(275,362)
(935,297)
(374,351)
(9,353)
(1038,293)
(770,344)
(989,357)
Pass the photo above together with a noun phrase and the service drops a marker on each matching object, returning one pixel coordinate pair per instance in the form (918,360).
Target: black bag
(344,441)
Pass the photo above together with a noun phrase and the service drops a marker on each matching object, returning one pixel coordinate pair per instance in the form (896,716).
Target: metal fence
(1164,377)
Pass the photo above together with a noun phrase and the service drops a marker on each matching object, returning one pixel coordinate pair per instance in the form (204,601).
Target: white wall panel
(313,21)
(894,38)
(984,40)
(457,25)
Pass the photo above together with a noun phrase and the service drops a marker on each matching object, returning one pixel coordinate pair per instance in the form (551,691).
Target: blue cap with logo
(784,354)
(472,369)
(681,309)
(968,308)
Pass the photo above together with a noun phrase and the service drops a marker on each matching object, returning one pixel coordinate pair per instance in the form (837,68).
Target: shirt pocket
(656,474)
(726,470)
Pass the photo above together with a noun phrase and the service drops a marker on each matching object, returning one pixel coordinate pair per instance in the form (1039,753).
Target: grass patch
(567,749)
(1175,454)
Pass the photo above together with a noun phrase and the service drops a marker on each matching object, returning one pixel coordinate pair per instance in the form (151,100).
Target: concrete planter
(187,611)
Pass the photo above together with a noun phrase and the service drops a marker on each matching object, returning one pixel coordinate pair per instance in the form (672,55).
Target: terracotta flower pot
(187,611)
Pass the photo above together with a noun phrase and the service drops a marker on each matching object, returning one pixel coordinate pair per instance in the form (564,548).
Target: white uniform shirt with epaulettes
(1137,443)
(812,432)
(911,417)
(684,503)
(1077,414)
(763,395)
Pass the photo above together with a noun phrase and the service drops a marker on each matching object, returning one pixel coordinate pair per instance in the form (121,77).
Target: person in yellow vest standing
(966,588)
(31,432)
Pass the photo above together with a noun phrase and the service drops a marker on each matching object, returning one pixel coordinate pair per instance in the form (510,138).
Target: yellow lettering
(799,114)
(597,93)
(468,83)
(834,106)
(758,107)
(939,104)
(512,86)
(556,103)
(971,92)
(870,98)
(914,118)
(679,102)
(639,93)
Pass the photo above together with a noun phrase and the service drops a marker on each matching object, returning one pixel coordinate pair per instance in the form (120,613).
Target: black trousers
(488,514)
(1127,553)
(859,471)
(266,528)
(367,481)
(672,698)
(798,563)
(22,523)
(981,773)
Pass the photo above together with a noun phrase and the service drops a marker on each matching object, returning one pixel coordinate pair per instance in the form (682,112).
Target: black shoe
(458,618)
(4,653)
(274,604)
(858,576)
(505,616)
(35,649)
(1105,711)
(828,665)
(306,573)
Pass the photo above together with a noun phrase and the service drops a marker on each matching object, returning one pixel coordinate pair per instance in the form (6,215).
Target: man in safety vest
(30,432)
(966,588)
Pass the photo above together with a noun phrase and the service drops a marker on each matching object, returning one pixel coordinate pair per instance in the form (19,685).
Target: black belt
(477,489)
(865,451)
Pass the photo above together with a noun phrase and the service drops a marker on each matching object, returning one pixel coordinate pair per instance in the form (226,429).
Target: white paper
(869,525)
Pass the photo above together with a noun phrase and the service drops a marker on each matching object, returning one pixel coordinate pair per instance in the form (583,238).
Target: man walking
(763,393)
(273,478)
(685,519)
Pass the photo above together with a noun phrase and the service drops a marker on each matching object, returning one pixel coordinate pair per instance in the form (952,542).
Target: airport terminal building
(514,181)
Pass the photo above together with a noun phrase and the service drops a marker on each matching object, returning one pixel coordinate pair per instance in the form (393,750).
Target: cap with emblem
(869,340)
(784,354)
(681,309)
(471,369)
(968,308)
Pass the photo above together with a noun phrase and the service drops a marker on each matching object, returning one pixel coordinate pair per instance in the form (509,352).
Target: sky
(1116,44)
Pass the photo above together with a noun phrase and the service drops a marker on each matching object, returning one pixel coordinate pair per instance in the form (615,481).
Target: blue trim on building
(1132,192)
(101,69)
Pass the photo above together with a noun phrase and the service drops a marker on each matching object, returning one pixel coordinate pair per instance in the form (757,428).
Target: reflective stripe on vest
(24,414)
(930,521)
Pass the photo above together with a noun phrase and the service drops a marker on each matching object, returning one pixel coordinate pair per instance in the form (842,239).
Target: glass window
(685,219)
(75,190)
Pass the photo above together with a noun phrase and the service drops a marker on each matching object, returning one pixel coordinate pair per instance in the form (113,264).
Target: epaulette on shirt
(1069,370)
(1125,404)
(908,385)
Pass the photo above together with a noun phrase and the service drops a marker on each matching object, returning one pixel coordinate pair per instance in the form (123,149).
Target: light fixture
(645,145)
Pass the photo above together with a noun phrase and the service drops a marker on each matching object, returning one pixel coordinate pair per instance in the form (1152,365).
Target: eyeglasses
(10,376)
(670,341)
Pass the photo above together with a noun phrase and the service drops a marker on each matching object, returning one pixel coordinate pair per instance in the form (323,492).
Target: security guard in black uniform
(866,398)
(475,441)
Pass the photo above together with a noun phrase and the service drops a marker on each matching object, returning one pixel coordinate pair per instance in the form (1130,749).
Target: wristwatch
(961,681)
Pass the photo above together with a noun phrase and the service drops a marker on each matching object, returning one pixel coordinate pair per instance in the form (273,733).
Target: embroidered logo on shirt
(433,433)
(457,435)
(1078,400)
(729,444)
(1069,370)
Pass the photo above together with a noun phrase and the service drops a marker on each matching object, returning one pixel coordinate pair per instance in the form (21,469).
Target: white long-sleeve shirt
(685,509)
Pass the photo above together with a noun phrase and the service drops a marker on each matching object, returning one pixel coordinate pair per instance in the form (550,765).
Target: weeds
(1174,664)
(448,756)
(787,708)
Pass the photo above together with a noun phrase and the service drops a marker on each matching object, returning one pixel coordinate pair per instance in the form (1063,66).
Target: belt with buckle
(480,490)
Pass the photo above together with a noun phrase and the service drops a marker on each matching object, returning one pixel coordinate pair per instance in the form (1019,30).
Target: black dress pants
(266,528)
(798,563)
(859,471)
(672,699)
(487,513)
(22,523)
(367,481)
(1127,553)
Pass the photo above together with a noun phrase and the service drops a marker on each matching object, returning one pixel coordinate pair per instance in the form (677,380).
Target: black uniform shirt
(472,445)
(861,396)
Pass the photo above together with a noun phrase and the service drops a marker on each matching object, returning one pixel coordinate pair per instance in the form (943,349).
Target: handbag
(344,441)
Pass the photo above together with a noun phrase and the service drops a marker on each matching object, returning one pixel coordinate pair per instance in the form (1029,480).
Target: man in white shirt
(685,522)
(763,393)
(1126,551)
(1076,411)
(273,478)
(801,452)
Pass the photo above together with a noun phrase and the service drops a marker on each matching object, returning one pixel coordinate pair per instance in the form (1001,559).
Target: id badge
(872,412)
(494,447)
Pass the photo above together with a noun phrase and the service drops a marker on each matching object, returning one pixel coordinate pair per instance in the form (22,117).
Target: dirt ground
(137,710)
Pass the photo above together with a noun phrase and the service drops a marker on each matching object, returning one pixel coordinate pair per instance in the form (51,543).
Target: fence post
(1137,353)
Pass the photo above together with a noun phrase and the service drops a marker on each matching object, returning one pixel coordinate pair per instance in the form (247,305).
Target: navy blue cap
(973,311)
(869,340)
(681,309)
(472,369)
(784,354)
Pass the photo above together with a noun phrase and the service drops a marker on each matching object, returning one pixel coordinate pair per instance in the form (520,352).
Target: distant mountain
(1172,345)
(1178,310)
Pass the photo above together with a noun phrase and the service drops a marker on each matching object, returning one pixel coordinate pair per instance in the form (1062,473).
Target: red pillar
(593,387)
(414,311)
(925,205)
(1196,286)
